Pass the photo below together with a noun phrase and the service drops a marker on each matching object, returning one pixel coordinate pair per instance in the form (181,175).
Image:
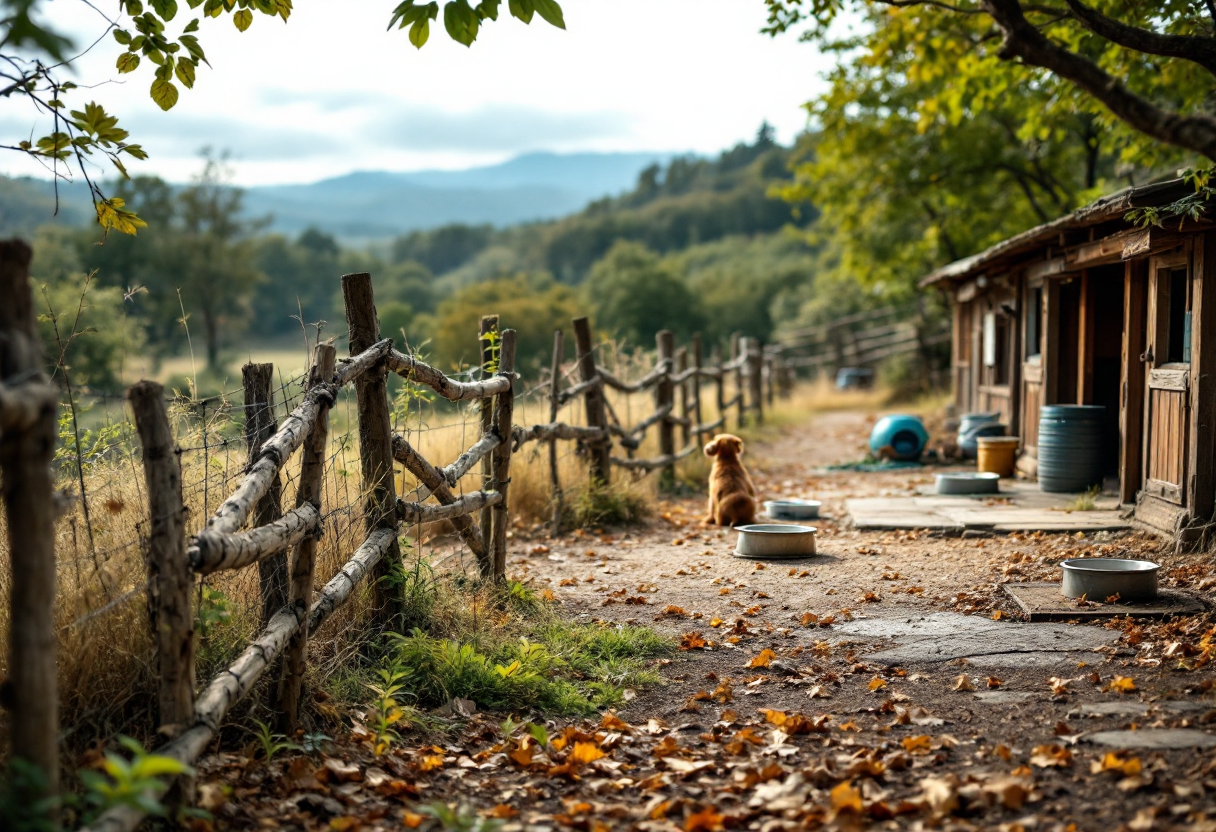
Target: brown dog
(732,497)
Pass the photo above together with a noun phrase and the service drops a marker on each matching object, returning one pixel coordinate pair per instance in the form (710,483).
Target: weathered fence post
(736,358)
(169,575)
(555,387)
(25,459)
(375,439)
(755,376)
(720,384)
(260,425)
(593,402)
(685,401)
(500,458)
(664,397)
(303,566)
(487,335)
(696,387)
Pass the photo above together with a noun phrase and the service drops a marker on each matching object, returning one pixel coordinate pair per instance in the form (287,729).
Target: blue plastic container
(899,437)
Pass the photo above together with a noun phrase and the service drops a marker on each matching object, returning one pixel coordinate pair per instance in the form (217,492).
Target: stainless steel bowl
(792,509)
(969,482)
(1134,581)
(775,540)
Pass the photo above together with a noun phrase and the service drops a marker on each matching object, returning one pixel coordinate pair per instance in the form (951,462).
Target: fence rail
(250,528)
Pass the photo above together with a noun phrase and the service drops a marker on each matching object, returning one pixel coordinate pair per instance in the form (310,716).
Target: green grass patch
(618,504)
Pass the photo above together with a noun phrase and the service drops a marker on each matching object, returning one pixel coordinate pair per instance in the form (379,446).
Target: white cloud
(331,91)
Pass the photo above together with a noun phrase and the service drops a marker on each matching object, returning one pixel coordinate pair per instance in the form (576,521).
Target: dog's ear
(738,446)
(712,448)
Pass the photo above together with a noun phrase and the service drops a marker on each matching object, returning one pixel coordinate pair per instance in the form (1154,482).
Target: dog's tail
(737,510)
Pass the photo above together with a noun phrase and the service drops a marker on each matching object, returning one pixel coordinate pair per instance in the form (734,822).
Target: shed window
(1034,323)
(1178,335)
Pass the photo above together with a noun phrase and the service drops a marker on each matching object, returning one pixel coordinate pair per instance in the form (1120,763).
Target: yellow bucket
(997,454)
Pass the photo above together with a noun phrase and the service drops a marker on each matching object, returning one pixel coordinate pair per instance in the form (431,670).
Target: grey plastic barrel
(1071,447)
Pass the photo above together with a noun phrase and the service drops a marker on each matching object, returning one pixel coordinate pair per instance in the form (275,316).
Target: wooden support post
(720,384)
(487,337)
(555,387)
(303,565)
(600,470)
(736,353)
(260,425)
(375,439)
(500,461)
(169,577)
(696,385)
(685,401)
(25,460)
(664,397)
(770,380)
(755,380)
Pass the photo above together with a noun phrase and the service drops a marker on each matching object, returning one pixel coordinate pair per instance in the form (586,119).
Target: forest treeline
(699,245)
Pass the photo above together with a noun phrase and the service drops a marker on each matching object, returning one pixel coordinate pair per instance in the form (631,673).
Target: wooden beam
(1131,409)
(1202,450)
(500,459)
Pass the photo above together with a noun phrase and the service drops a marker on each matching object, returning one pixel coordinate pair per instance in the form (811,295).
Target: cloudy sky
(331,91)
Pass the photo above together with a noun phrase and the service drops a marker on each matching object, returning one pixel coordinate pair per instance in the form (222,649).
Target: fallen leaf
(1121,684)
(1059,687)
(963,683)
(918,745)
(706,820)
(763,659)
(845,798)
(877,684)
(994,682)
(586,752)
(1050,756)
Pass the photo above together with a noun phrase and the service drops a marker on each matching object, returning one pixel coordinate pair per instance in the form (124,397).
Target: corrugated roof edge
(1108,207)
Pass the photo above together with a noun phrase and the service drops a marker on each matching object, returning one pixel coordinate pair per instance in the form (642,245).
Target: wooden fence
(865,339)
(250,527)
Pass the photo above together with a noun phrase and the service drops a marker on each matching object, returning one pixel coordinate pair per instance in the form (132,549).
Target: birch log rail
(434,480)
(413,369)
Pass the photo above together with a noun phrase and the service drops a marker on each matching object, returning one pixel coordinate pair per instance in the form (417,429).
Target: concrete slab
(1004,697)
(945,636)
(1021,507)
(1043,601)
(1100,709)
(1153,739)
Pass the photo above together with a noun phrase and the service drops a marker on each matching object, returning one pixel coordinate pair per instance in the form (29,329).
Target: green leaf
(192,46)
(243,19)
(461,22)
(420,32)
(488,8)
(167,9)
(551,12)
(521,9)
(134,7)
(185,73)
(156,765)
(133,150)
(127,62)
(192,26)
(122,36)
(164,93)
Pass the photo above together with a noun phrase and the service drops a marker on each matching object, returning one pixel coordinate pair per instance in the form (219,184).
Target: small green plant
(270,743)
(386,712)
(138,783)
(493,350)
(17,811)
(214,610)
(458,818)
(313,743)
(1087,501)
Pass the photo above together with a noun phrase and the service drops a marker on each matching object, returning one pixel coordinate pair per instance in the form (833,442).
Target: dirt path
(880,683)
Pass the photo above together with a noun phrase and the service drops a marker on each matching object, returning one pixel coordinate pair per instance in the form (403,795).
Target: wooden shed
(1094,309)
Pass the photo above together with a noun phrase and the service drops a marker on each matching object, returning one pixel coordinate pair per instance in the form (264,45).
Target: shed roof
(1112,206)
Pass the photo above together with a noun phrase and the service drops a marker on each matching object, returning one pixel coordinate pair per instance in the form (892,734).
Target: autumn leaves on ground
(761,707)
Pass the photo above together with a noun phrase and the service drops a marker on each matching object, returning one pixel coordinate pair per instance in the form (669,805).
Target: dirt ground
(795,701)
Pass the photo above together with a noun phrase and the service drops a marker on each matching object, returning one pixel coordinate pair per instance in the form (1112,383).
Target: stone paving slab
(1021,507)
(1043,601)
(946,636)
(1153,739)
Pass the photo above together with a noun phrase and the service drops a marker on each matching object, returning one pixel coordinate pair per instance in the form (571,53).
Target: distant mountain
(369,205)
(376,204)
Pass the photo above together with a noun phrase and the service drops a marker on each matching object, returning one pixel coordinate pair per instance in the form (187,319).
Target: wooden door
(1167,360)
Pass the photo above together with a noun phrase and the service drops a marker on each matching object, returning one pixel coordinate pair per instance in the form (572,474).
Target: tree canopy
(1149,66)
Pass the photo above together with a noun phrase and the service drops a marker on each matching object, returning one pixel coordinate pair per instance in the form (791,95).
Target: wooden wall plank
(1201,453)
(1131,414)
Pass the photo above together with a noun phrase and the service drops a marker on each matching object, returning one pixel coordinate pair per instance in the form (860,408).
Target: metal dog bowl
(792,509)
(1134,581)
(775,540)
(969,483)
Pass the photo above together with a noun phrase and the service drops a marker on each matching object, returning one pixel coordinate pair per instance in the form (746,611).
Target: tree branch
(1194,48)
(1024,41)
